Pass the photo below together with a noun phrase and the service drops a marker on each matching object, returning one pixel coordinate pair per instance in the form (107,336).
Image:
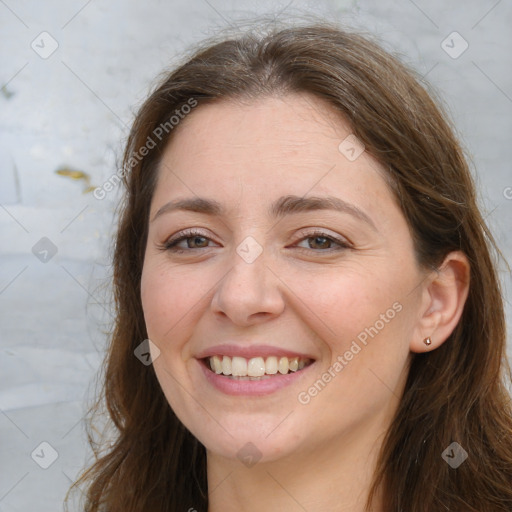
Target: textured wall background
(71,75)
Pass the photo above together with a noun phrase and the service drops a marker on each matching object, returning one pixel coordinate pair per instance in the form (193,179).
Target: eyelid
(318,231)
(341,242)
(304,234)
(184,234)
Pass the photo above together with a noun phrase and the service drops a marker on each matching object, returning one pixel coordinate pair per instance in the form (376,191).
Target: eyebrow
(285,205)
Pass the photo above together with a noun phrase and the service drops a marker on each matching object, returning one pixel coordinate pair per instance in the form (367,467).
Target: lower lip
(252,387)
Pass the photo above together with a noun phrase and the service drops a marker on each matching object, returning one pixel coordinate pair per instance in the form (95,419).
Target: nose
(249,293)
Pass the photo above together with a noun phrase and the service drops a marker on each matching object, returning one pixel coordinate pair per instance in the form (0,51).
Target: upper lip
(250,351)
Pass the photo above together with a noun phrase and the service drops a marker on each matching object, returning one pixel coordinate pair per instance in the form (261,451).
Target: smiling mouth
(255,368)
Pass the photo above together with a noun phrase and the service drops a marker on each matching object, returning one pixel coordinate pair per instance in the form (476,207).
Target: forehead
(276,122)
(269,147)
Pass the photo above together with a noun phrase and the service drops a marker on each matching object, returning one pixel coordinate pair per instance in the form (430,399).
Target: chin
(257,440)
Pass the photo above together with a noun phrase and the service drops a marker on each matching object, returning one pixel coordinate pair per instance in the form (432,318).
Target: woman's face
(322,297)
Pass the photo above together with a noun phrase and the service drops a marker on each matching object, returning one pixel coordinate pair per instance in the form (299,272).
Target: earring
(427,341)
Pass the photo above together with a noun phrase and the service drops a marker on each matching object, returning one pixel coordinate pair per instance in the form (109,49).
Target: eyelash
(170,245)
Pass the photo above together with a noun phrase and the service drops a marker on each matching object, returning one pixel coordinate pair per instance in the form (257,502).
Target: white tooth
(226,365)
(271,365)
(256,367)
(293,363)
(216,364)
(302,363)
(239,367)
(283,365)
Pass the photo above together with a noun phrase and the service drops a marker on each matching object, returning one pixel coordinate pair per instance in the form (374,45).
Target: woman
(301,244)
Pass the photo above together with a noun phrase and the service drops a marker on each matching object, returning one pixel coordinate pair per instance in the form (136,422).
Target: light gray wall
(73,107)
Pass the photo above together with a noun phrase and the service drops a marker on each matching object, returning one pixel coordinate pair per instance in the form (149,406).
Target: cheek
(366,325)
(371,340)
(346,302)
(163,301)
(172,298)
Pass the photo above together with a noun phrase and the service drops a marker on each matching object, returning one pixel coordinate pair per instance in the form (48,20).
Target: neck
(335,475)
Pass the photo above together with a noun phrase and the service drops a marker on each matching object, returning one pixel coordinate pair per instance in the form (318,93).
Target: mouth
(255,368)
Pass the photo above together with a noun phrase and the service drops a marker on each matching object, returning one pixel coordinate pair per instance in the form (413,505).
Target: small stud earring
(427,341)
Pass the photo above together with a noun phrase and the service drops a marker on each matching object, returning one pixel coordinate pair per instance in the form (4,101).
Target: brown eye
(194,240)
(321,242)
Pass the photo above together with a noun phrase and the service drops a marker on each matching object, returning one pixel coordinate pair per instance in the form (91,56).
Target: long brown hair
(456,393)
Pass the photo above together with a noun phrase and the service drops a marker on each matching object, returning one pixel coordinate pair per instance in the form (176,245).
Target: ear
(443,297)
